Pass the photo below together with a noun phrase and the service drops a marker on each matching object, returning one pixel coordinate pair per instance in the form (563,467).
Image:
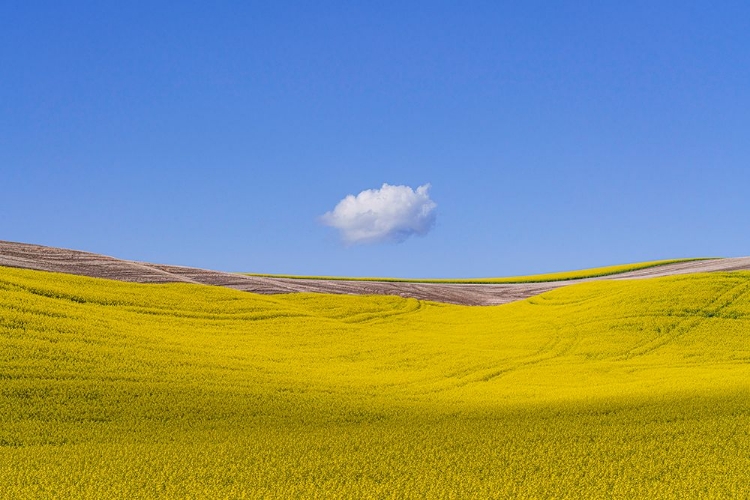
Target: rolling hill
(488,291)
(628,388)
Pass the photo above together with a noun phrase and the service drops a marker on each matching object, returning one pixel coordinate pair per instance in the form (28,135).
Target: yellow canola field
(610,389)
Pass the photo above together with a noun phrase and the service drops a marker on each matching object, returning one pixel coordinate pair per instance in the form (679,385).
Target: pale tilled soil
(60,260)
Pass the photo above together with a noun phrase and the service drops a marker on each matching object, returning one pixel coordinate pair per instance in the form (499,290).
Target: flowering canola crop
(608,389)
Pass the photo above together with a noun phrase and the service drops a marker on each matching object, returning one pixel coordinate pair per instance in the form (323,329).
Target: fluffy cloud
(388,214)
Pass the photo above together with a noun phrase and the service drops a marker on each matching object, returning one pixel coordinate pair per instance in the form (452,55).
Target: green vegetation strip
(535,278)
(607,389)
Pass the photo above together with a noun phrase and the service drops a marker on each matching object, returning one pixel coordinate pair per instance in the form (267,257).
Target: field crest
(490,291)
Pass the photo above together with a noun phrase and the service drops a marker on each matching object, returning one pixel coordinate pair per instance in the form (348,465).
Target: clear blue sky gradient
(555,135)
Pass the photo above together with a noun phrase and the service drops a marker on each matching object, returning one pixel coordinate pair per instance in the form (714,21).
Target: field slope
(603,389)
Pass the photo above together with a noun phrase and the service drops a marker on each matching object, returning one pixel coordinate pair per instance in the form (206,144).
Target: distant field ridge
(490,291)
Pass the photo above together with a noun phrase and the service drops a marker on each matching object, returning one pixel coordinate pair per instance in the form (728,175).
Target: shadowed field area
(609,389)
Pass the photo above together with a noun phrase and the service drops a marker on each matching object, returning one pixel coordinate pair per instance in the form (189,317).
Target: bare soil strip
(60,260)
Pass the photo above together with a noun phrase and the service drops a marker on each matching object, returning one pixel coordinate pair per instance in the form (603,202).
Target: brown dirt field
(60,260)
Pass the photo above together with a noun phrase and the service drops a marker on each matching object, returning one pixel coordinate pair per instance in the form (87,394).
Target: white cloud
(388,214)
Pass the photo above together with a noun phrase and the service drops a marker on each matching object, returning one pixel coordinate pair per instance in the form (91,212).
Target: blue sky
(554,135)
